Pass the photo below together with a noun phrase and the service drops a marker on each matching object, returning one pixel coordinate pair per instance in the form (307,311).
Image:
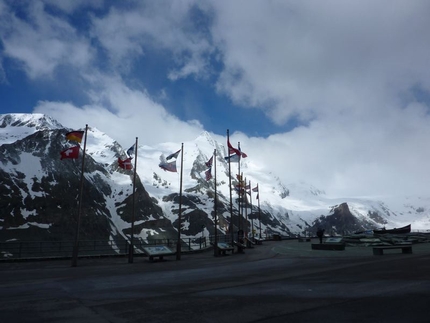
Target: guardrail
(11,250)
(63,249)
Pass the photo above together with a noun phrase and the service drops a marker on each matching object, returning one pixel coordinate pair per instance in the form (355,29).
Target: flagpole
(244,208)
(178,245)
(259,209)
(78,222)
(250,213)
(240,183)
(229,182)
(131,250)
(245,199)
(215,209)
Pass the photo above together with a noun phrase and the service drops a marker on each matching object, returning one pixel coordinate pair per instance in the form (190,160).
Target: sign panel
(333,240)
(158,250)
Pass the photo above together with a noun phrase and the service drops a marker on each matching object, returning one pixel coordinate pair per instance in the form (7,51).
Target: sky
(333,93)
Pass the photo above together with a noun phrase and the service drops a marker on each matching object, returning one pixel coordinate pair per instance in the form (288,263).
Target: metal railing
(91,248)
(63,249)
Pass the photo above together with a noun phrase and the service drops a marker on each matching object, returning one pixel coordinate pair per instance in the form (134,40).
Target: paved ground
(279,281)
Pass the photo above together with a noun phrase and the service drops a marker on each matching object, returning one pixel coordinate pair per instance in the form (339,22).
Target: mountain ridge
(40,182)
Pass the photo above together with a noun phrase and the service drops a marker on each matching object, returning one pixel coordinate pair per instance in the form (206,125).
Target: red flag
(208,174)
(232,150)
(72,152)
(242,154)
(75,136)
(209,162)
(125,164)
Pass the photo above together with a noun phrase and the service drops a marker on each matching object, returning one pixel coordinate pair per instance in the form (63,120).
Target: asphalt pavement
(279,281)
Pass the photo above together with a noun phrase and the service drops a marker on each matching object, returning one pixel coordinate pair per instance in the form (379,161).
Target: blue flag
(174,155)
(233,158)
(130,151)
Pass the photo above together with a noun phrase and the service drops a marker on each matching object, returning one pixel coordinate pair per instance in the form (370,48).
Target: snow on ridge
(303,202)
(99,146)
(16,126)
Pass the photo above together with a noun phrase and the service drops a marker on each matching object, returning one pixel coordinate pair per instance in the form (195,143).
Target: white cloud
(320,57)
(349,70)
(43,42)
(123,114)
(159,25)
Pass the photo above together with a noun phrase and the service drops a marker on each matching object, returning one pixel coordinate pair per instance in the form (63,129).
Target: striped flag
(75,136)
(169,166)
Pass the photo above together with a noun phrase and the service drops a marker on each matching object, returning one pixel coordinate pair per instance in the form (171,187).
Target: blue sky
(193,97)
(309,89)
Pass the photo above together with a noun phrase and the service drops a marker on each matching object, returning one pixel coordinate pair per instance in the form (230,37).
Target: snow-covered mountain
(39,191)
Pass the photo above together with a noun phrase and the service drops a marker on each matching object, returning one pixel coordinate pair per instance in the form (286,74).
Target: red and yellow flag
(75,136)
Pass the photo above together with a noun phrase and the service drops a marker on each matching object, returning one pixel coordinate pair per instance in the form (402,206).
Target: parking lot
(278,281)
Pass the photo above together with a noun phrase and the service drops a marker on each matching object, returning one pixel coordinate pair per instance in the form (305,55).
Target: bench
(379,250)
(158,252)
(240,247)
(328,246)
(224,247)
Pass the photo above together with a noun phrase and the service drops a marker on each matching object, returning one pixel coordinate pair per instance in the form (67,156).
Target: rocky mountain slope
(39,192)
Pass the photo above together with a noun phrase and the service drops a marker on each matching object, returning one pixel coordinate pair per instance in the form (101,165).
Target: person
(320,234)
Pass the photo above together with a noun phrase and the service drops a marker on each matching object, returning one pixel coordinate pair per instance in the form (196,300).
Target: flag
(130,151)
(169,166)
(174,155)
(71,152)
(257,196)
(231,149)
(239,177)
(125,164)
(75,136)
(255,189)
(239,189)
(233,158)
(241,184)
(242,153)
(208,174)
(209,162)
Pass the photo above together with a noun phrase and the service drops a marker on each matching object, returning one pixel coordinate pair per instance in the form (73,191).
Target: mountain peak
(16,126)
(205,137)
(37,120)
